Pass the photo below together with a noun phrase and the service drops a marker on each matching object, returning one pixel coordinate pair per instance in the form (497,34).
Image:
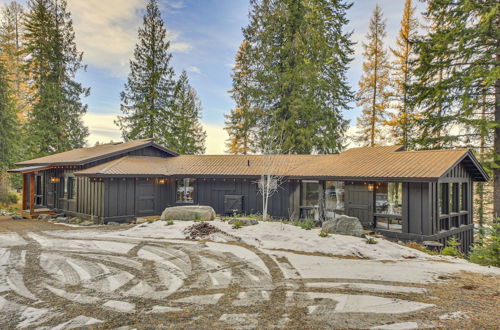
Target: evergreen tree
(463,50)
(241,122)
(11,35)
(402,121)
(147,98)
(299,55)
(52,61)
(374,87)
(9,128)
(187,130)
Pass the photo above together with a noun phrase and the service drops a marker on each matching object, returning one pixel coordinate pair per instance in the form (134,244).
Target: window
(63,187)
(443,198)
(392,224)
(454,193)
(310,193)
(185,189)
(334,195)
(463,197)
(70,192)
(389,198)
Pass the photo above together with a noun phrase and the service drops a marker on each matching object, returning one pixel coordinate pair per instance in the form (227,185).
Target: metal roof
(376,163)
(85,155)
(29,169)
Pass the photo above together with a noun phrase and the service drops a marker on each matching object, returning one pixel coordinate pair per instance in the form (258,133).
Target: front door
(359,203)
(145,197)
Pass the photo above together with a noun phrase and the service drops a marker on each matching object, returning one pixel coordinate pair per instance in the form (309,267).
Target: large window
(310,193)
(444,198)
(463,197)
(454,199)
(334,196)
(70,192)
(185,189)
(389,198)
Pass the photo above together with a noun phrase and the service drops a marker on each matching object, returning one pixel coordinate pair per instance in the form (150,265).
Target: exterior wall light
(161,181)
(54,179)
(370,187)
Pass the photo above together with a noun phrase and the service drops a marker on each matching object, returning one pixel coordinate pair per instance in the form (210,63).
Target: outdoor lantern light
(54,179)
(161,181)
(370,187)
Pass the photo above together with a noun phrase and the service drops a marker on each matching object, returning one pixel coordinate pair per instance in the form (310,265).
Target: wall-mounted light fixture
(370,187)
(54,179)
(161,181)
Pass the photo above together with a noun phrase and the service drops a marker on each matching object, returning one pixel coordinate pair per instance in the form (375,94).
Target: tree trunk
(496,169)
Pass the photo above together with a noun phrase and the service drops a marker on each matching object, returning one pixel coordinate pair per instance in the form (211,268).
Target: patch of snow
(11,239)
(366,287)
(30,315)
(241,253)
(164,309)
(398,326)
(77,322)
(75,297)
(4,257)
(111,282)
(453,315)
(120,306)
(241,321)
(412,271)
(81,245)
(209,299)
(16,283)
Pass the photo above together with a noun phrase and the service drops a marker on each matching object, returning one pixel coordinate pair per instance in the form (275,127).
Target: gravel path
(48,280)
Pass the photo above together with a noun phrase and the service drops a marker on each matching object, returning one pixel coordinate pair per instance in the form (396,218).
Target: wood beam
(25,191)
(32,192)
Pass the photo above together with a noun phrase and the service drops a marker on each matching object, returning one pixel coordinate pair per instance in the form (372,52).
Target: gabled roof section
(86,155)
(376,163)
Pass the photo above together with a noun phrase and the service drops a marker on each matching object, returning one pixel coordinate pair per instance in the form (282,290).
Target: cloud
(193,69)
(106,31)
(102,129)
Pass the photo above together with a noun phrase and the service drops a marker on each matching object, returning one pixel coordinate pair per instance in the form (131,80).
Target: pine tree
(52,62)
(11,35)
(463,50)
(241,122)
(374,87)
(9,128)
(147,98)
(299,55)
(402,121)
(187,130)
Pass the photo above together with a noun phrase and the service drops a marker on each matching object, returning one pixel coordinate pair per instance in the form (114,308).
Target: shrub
(308,224)
(451,249)
(169,223)
(197,217)
(420,247)
(9,198)
(488,253)
(237,224)
(151,220)
(371,240)
(323,234)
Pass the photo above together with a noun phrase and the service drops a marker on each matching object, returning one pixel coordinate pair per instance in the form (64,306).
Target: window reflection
(185,189)
(334,196)
(389,198)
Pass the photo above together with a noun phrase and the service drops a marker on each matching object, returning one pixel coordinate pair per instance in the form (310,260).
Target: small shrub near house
(9,198)
(308,224)
(323,234)
(420,247)
(487,252)
(169,223)
(371,240)
(237,224)
(451,248)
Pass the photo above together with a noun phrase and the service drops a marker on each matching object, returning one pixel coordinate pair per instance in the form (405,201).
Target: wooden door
(145,197)
(359,203)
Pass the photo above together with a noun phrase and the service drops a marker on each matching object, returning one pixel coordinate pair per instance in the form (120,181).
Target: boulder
(86,223)
(44,217)
(140,220)
(189,213)
(75,220)
(112,223)
(62,219)
(17,217)
(244,222)
(344,225)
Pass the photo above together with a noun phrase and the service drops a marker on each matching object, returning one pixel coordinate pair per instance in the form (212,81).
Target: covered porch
(30,208)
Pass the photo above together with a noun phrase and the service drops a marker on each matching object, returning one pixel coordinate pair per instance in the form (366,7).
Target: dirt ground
(58,276)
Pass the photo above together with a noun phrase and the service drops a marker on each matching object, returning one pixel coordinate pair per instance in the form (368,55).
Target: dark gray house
(405,195)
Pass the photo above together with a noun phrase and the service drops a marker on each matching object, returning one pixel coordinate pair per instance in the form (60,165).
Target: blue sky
(205,35)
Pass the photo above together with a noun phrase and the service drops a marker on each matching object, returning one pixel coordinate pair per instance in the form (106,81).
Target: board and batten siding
(90,197)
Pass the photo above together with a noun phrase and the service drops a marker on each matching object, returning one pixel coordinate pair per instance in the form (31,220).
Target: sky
(205,35)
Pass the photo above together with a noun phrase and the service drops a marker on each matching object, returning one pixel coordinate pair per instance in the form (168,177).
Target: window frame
(190,183)
(339,191)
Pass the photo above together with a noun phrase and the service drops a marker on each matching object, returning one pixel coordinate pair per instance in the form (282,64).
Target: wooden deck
(36,212)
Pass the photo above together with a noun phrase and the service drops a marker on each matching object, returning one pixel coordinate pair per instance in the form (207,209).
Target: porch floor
(36,212)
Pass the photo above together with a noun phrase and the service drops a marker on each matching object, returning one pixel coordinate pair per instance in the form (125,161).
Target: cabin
(405,195)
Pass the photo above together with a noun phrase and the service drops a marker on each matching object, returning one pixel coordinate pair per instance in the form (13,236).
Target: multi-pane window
(334,195)
(185,189)
(70,192)
(463,197)
(310,193)
(454,193)
(444,198)
(389,198)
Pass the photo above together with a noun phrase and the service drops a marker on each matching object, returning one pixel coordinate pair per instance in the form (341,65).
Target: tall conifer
(187,131)
(374,87)
(147,97)
(52,62)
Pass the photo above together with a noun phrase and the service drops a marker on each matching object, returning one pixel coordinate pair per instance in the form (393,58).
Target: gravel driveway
(50,278)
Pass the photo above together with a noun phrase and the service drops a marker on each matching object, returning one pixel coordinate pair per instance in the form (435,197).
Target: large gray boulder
(343,225)
(189,213)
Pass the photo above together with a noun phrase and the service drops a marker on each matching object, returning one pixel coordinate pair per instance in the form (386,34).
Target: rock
(44,217)
(433,244)
(343,225)
(112,223)
(4,213)
(244,222)
(86,223)
(62,219)
(75,220)
(140,220)
(187,213)
(17,217)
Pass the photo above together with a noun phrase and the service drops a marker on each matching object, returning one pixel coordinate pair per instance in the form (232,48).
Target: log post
(32,193)
(25,191)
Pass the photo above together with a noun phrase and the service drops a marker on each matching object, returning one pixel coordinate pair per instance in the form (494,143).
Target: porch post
(25,191)
(32,193)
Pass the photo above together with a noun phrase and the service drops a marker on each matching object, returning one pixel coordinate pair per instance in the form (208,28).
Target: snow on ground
(11,239)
